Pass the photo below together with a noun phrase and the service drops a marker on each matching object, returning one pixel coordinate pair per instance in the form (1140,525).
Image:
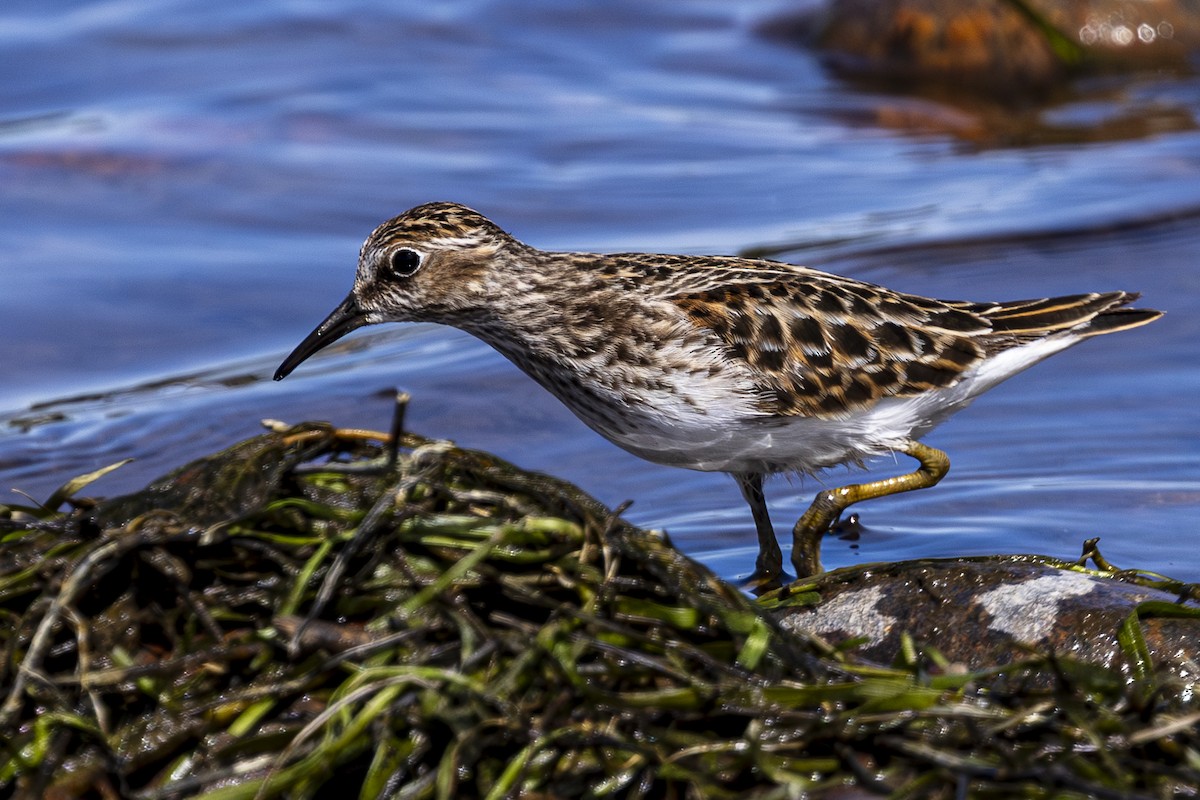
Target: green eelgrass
(452,626)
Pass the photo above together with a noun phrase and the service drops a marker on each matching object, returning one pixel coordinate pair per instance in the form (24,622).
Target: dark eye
(404,262)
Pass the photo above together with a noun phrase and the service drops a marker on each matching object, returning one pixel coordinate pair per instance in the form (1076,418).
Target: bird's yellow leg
(829,504)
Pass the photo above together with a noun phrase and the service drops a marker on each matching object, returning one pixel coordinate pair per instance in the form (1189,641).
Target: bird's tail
(1082,314)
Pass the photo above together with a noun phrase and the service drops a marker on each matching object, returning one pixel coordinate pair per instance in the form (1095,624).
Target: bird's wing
(825,345)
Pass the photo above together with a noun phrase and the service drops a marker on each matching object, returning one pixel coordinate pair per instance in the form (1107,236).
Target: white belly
(724,438)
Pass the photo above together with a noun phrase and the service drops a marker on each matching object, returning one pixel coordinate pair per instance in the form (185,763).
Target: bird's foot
(760,582)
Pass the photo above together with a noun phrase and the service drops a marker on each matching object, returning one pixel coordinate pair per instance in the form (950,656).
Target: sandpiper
(717,363)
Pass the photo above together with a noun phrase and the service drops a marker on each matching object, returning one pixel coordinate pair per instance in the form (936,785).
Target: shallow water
(186,184)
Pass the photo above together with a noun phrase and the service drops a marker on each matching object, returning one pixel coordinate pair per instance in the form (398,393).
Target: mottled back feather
(822,345)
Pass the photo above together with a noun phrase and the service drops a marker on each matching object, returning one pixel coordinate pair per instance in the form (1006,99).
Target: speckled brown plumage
(713,362)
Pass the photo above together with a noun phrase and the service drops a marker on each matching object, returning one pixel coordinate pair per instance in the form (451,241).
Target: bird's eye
(404,262)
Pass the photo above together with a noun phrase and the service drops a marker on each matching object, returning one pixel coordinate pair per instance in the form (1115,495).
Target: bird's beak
(345,318)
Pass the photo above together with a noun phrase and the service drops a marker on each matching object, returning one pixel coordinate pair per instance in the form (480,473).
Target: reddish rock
(1000,44)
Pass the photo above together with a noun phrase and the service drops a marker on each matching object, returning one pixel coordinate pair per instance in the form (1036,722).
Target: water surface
(186,184)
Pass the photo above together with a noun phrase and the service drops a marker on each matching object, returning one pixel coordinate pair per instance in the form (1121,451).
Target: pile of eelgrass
(453,627)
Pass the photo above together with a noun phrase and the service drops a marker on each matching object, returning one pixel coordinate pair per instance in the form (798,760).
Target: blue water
(184,186)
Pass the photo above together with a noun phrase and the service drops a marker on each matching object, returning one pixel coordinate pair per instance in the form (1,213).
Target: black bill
(345,318)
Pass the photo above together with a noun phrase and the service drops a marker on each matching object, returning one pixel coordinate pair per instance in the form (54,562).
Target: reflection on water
(186,189)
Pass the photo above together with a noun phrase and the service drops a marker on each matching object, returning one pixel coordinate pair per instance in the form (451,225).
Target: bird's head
(430,263)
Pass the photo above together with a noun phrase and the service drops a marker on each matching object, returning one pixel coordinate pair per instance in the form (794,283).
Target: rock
(1003,46)
(982,612)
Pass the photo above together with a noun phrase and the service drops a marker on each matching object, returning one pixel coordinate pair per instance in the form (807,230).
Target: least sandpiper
(716,363)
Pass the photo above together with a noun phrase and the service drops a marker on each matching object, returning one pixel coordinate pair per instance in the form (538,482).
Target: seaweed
(276,620)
